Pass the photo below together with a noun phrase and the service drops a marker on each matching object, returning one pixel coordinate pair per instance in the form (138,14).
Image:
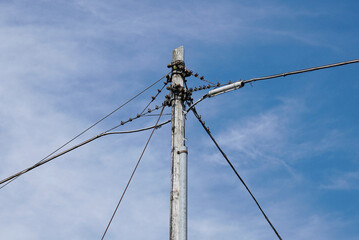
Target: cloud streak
(66,64)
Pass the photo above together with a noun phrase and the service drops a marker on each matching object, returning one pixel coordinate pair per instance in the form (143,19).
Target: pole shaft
(178,212)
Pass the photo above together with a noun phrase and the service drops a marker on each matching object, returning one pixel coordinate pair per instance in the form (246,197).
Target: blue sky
(65,64)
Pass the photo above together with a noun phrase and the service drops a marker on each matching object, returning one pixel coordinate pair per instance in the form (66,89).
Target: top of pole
(178,55)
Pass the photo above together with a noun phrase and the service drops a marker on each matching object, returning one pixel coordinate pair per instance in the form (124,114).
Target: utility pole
(178,212)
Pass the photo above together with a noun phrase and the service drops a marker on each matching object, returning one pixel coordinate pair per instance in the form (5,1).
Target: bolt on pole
(178,211)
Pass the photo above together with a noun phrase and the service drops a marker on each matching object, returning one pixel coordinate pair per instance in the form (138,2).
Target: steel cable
(77,146)
(133,173)
(302,71)
(87,129)
(235,171)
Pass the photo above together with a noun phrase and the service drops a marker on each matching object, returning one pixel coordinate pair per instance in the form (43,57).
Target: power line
(133,173)
(239,84)
(16,175)
(154,115)
(13,177)
(143,113)
(302,71)
(154,97)
(93,125)
(235,171)
(196,75)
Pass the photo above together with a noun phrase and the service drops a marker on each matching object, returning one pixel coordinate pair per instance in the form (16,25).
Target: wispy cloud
(347,181)
(66,64)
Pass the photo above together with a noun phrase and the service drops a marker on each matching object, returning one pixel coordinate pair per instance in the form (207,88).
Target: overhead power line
(154,97)
(143,112)
(302,71)
(235,171)
(133,173)
(239,84)
(77,146)
(93,125)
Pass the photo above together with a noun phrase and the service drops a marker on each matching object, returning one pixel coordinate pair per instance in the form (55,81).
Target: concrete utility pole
(178,213)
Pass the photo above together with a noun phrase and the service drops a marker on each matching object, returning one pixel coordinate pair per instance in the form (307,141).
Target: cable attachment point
(188,72)
(182,151)
(196,75)
(167,102)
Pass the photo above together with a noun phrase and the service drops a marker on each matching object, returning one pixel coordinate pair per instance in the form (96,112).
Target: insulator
(201,78)
(122,123)
(204,86)
(229,82)
(159,90)
(195,89)
(138,115)
(153,98)
(157,107)
(130,119)
(149,110)
(169,65)
(196,74)
(208,86)
(218,84)
(199,88)
(190,90)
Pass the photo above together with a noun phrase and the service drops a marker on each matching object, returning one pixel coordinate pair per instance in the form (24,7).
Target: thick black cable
(133,173)
(235,171)
(87,129)
(77,146)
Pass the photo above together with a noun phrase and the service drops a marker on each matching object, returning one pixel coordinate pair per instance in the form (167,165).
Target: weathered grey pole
(178,212)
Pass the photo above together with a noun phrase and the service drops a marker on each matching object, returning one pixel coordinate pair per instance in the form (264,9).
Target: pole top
(178,55)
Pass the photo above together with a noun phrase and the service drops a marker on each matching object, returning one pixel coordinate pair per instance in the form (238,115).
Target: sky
(294,140)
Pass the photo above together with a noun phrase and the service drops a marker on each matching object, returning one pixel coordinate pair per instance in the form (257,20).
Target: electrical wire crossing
(87,129)
(133,173)
(235,171)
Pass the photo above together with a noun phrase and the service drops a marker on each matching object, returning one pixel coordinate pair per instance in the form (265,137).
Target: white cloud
(66,64)
(345,181)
